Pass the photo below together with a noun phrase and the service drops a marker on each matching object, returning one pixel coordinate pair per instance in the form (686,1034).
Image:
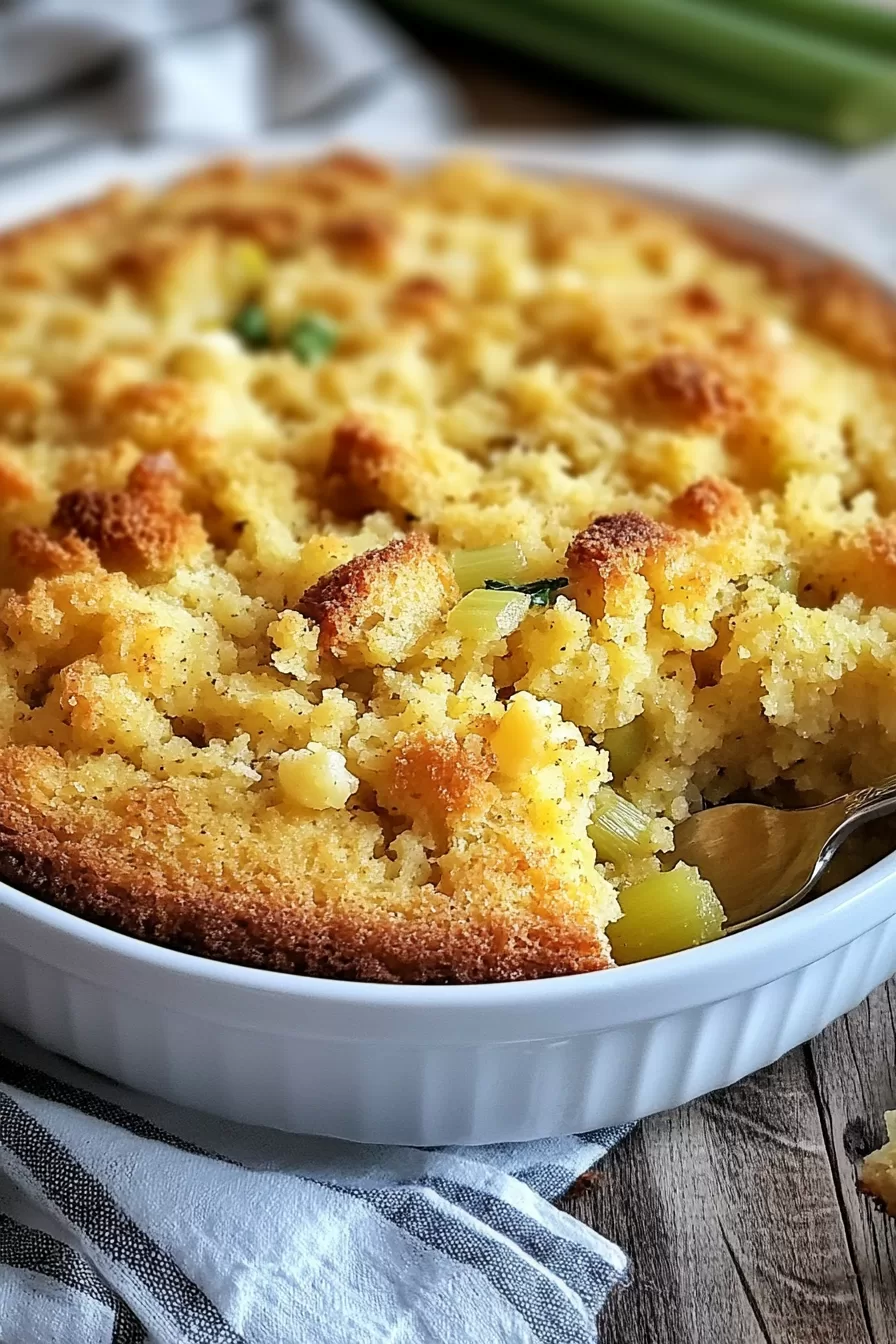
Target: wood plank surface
(740,1211)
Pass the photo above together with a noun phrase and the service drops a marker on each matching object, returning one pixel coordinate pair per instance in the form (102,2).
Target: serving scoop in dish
(762,861)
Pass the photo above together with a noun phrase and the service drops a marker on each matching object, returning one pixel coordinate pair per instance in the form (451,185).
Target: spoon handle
(875,801)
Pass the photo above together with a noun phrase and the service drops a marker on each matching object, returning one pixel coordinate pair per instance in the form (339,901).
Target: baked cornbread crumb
(878,1174)
(235,716)
(377,608)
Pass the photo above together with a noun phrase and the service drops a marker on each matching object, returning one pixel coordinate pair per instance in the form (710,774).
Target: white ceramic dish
(433,1065)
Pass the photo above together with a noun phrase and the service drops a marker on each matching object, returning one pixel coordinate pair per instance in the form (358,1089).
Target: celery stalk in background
(855,106)
(859,89)
(768,53)
(858,22)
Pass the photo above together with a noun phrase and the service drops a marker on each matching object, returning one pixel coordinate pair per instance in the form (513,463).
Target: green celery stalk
(699,90)
(861,25)
(768,53)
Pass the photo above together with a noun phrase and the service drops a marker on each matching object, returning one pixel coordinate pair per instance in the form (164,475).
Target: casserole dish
(431,1064)
(442,1064)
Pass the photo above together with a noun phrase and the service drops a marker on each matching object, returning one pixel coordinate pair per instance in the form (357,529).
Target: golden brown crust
(15,481)
(851,312)
(156,473)
(25,251)
(158,416)
(89,388)
(709,503)
(435,778)
(365,239)
(423,297)
(617,544)
(38,553)
(141,265)
(279,229)
(336,603)
(112,885)
(781,267)
(360,468)
(701,299)
(21,399)
(863,563)
(141,528)
(835,299)
(346,601)
(681,388)
(352,163)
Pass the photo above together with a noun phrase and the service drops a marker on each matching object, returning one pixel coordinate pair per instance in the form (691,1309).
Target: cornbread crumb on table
(235,716)
(878,1174)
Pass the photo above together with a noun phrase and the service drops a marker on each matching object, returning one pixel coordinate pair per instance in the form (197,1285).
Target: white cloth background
(123,1219)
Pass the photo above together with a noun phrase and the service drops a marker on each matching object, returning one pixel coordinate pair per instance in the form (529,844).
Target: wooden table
(740,1211)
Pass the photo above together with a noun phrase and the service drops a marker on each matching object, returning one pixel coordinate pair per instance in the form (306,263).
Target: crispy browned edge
(108,890)
(835,299)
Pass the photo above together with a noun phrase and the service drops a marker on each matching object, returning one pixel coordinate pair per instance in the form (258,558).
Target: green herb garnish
(312,338)
(540,592)
(251,325)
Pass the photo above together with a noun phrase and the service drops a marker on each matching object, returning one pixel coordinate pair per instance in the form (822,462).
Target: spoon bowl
(762,861)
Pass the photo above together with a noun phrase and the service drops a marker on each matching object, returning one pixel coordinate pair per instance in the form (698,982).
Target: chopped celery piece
(626,746)
(506,562)
(665,913)
(619,831)
(786,578)
(486,615)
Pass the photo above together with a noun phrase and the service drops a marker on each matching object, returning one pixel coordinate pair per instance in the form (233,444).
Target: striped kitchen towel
(126,1219)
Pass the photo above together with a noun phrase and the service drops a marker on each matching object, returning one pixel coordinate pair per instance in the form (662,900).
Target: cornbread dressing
(247,427)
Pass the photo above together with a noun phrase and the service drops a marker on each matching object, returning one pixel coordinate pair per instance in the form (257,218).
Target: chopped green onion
(481,568)
(541,592)
(626,746)
(312,338)
(486,615)
(665,913)
(619,831)
(251,325)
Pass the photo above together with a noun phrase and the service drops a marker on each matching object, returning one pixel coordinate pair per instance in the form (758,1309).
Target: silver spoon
(761,860)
